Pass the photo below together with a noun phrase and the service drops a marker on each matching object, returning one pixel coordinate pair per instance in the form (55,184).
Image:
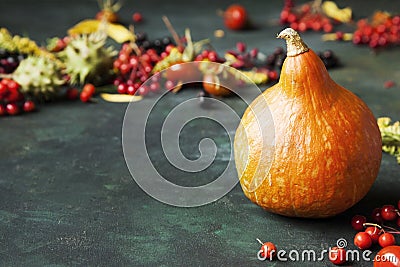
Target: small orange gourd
(306,147)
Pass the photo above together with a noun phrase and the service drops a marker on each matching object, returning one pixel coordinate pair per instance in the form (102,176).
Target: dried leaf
(188,53)
(120,98)
(115,31)
(333,11)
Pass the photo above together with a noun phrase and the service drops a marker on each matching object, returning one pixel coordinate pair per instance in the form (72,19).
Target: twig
(171,29)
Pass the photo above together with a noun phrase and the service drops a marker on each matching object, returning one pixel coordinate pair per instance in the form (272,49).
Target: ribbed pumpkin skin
(327,150)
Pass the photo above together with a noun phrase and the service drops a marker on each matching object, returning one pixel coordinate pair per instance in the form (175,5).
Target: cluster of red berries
(304,17)
(244,58)
(209,55)
(377,232)
(85,95)
(12,101)
(134,68)
(383,30)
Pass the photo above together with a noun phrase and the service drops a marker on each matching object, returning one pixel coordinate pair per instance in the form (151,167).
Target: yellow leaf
(85,27)
(115,31)
(331,10)
(120,98)
(119,33)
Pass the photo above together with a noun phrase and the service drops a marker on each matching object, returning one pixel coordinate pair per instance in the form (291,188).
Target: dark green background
(68,199)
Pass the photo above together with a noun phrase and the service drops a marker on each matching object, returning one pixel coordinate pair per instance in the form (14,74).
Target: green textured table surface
(67,197)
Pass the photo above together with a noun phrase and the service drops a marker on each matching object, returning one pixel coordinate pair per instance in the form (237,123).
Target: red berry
(143,90)
(3,110)
(3,90)
(12,109)
(5,81)
(235,17)
(273,75)
(89,89)
(133,61)
(268,250)
(388,212)
(327,27)
(241,47)
(169,85)
(337,255)
(145,58)
(14,96)
(212,56)
(124,68)
(389,84)
(357,222)
(339,35)
(117,81)
(376,215)
(387,239)
(284,16)
(122,88)
(123,57)
(29,106)
(169,47)
(154,86)
(254,53)
(137,17)
(72,93)
(294,26)
(374,232)
(13,85)
(302,26)
(357,39)
(131,89)
(362,240)
(291,18)
(117,64)
(165,54)
(85,96)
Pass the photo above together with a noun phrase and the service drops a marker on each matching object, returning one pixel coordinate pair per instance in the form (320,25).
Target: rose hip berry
(376,215)
(268,250)
(137,17)
(3,110)
(89,89)
(388,213)
(29,106)
(85,96)
(337,255)
(362,240)
(374,232)
(386,239)
(235,17)
(72,93)
(12,109)
(357,222)
(121,88)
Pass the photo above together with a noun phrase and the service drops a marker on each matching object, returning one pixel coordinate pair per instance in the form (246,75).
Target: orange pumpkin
(306,147)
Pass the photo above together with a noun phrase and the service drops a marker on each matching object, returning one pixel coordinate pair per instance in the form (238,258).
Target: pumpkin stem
(294,43)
